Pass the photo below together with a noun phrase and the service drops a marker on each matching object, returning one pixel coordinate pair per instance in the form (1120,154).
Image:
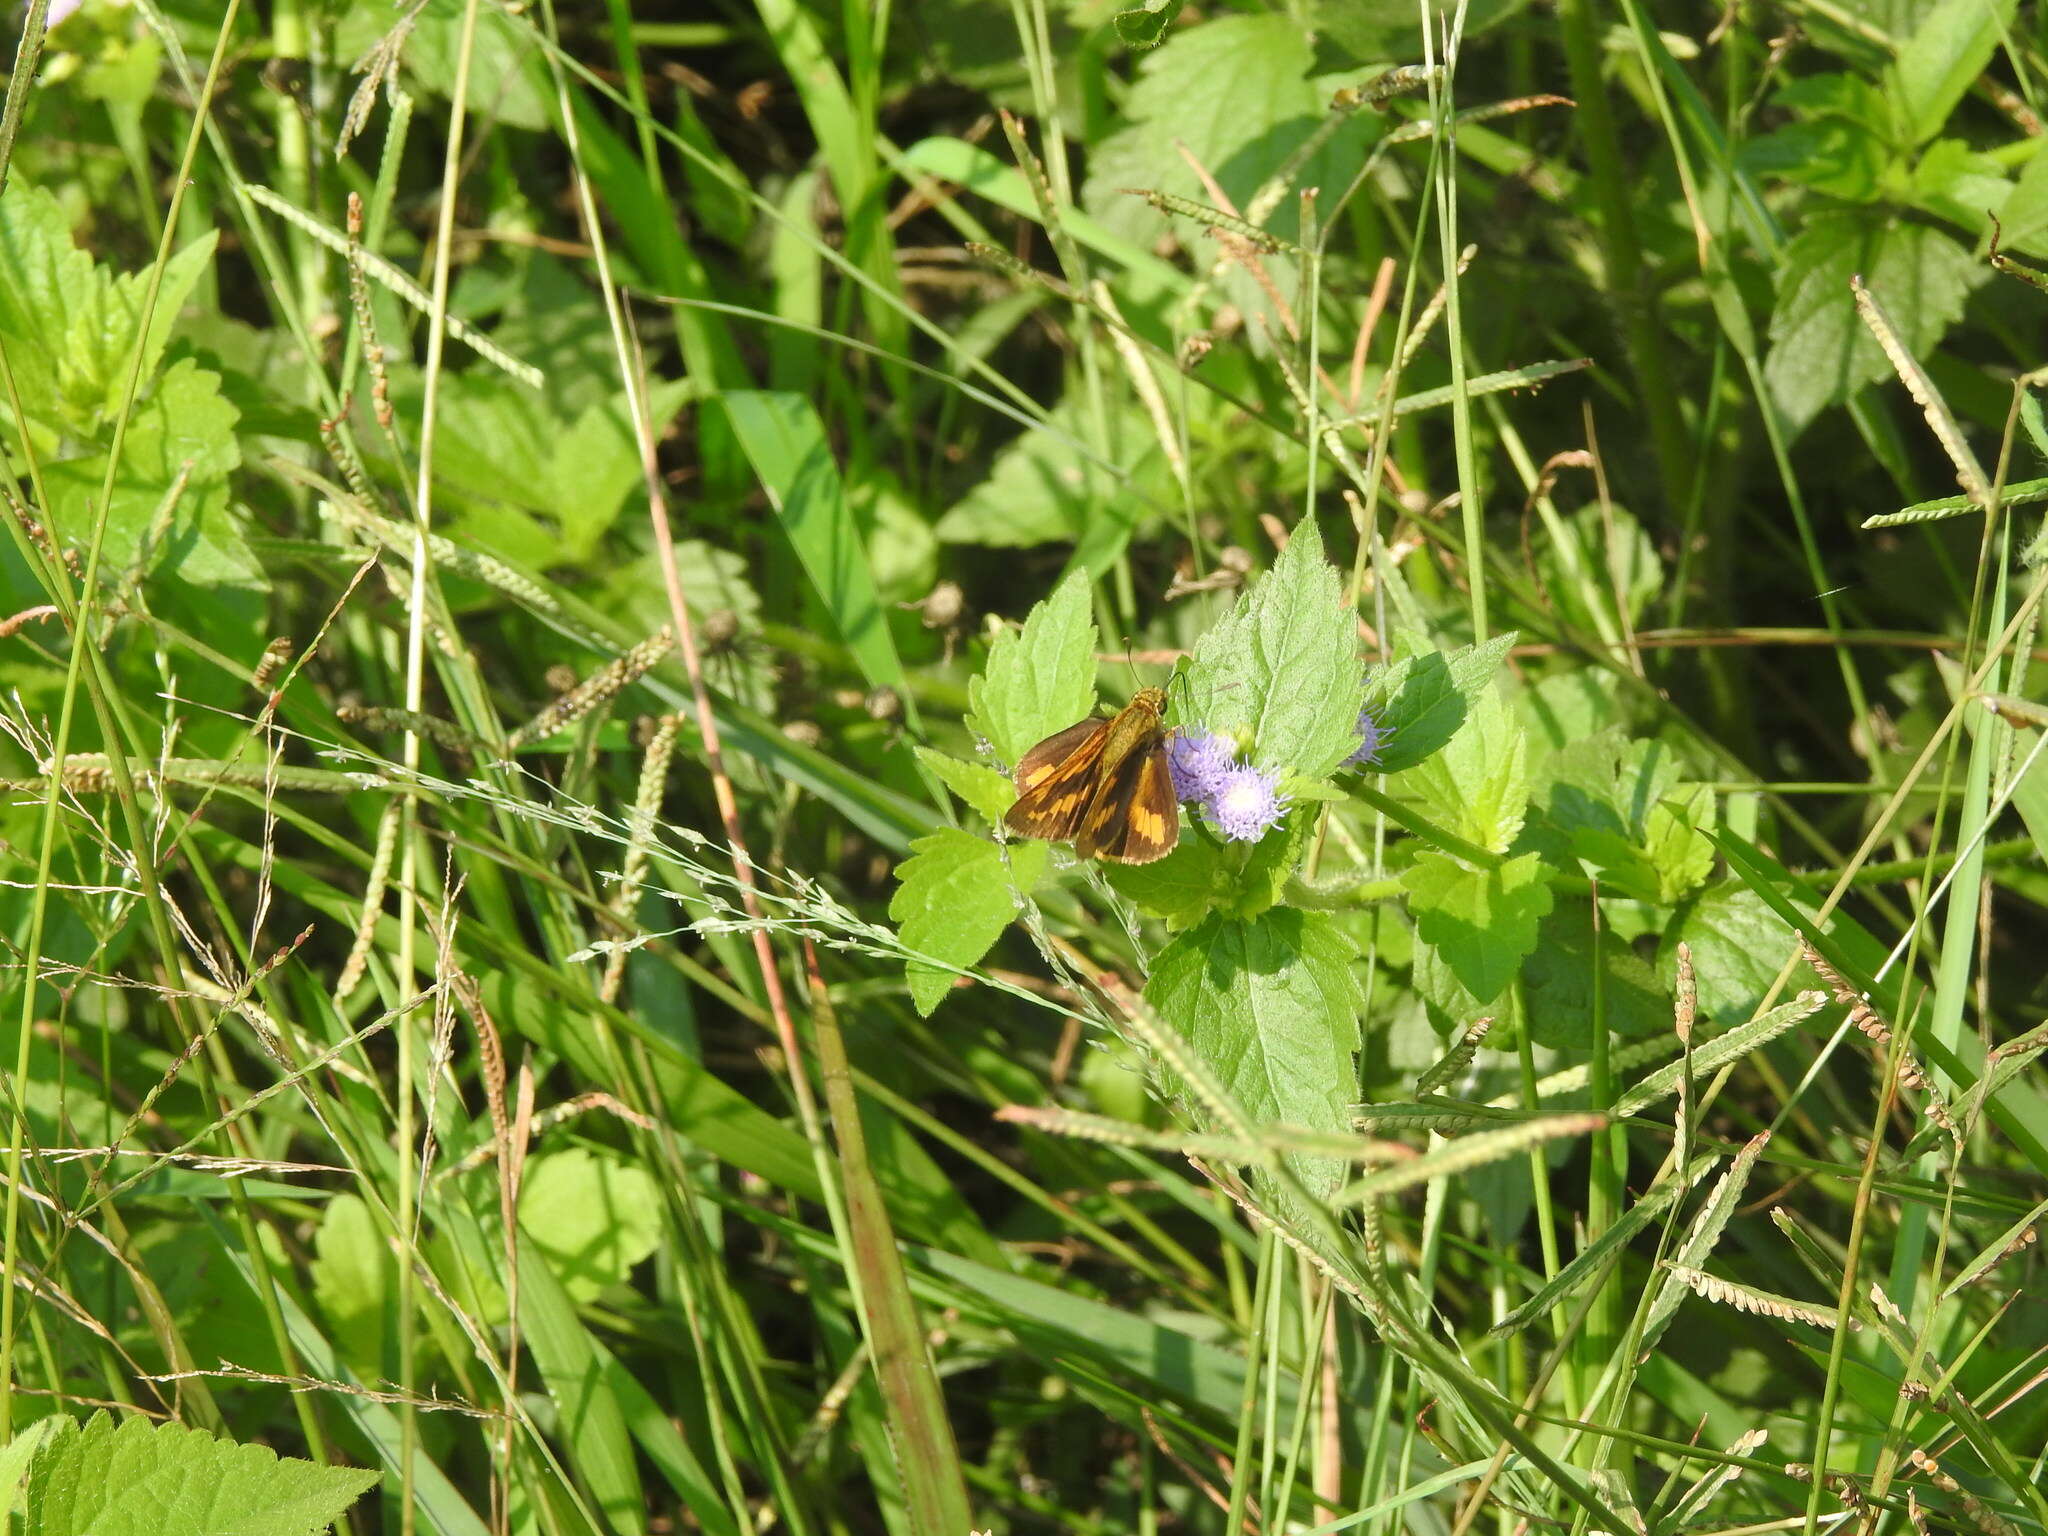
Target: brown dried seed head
(561,677)
(805,733)
(883,704)
(944,605)
(719,628)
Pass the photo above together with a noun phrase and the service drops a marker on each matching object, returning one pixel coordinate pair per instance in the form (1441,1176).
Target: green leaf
(1181,888)
(182,426)
(1270,1006)
(46,282)
(145,1479)
(1946,53)
(1830,154)
(77,320)
(1039,680)
(2023,220)
(1821,352)
(980,786)
(1676,841)
(1279,671)
(351,1279)
(594,1217)
(1738,947)
(1617,807)
(508,77)
(17,1453)
(1478,786)
(1423,699)
(1045,485)
(1557,982)
(1481,922)
(785,441)
(1238,92)
(584,1383)
(958,894)
(1605,554)
(1953,181)
(1146,24)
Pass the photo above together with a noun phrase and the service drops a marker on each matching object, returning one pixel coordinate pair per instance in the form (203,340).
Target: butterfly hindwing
(1152,819)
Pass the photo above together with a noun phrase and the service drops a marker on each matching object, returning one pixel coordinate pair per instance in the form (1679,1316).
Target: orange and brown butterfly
(1103,785)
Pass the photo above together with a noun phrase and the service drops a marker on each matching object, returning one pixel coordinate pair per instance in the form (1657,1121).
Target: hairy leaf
(1279,671)
(957,896)
(1270,1006)
(1039,680)
(1481,922)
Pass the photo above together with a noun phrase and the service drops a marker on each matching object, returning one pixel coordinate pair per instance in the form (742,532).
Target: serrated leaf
(1145,25)
(1738,947)
(182,427)
(977,784)
(1478,786)
(2024,226)
(958,894)
(1481,922)
(1280,670)
(1181,888)
(1272,861)
(1718,1052)
(77,321)
(1422,700)
(1675,839)
(18,1452)
(507,448)
(1040,679)
(1821,351)
(1946,53)
(144,1479)
(1270,1006)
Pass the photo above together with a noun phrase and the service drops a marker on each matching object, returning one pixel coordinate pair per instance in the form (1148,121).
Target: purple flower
(1373,736)
(1198,760)
(1245,803)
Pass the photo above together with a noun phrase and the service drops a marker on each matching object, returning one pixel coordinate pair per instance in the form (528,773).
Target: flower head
(1372,736)
(1245,803)
(1197,760)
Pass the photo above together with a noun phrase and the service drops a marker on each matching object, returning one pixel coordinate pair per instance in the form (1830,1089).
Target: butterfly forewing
(1056,781)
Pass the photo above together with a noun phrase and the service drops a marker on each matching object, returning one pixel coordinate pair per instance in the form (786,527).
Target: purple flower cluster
(1240,802)
(1372,736)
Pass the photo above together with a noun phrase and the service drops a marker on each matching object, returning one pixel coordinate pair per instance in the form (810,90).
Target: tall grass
(515,628)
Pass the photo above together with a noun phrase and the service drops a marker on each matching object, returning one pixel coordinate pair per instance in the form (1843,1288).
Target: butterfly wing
(1056,782)
(1135,818)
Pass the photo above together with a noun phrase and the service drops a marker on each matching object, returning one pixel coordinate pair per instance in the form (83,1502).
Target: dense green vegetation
(541,531)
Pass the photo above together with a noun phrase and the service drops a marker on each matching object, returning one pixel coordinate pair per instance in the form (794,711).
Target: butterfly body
(1102,784)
